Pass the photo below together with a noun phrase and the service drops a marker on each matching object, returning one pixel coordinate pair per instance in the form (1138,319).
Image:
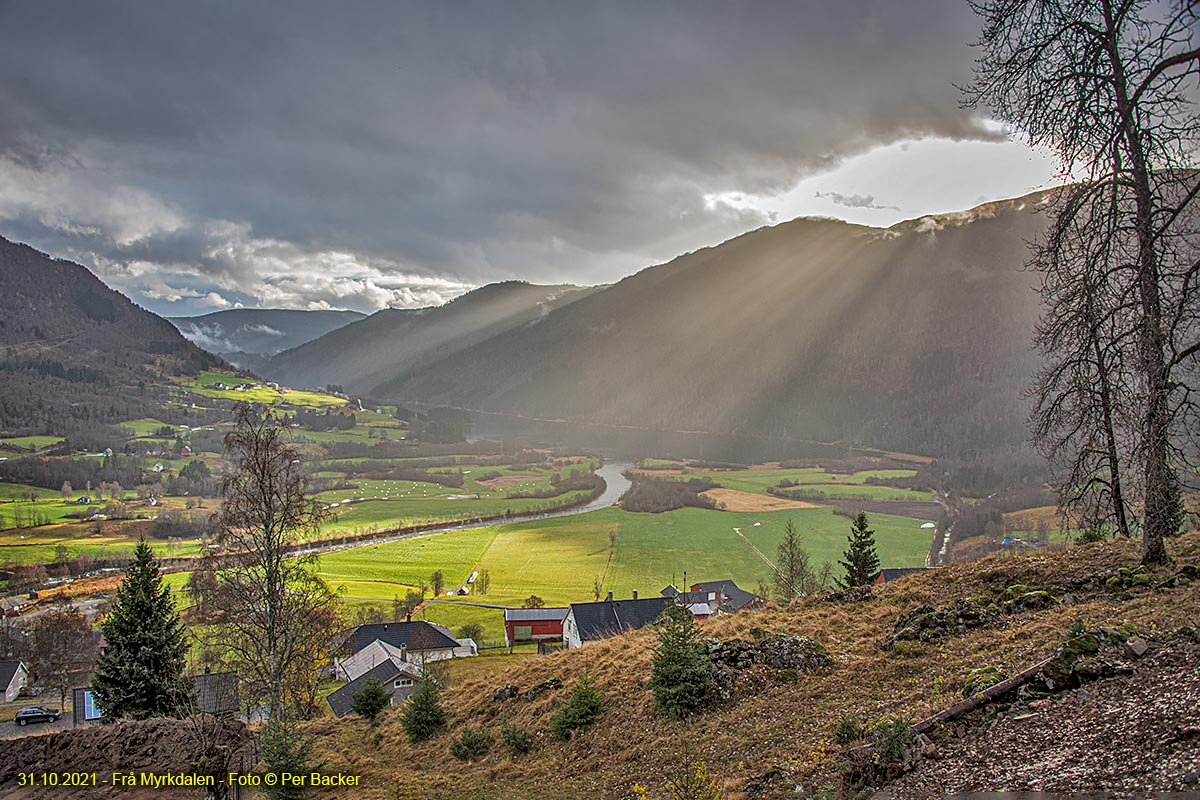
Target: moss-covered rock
(1030,601)
(1015,591)
(983,678)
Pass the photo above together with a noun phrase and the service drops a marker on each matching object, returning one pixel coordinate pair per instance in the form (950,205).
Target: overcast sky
(203,155)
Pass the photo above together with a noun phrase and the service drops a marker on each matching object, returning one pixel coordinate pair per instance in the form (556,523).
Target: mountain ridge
(914,337)
(360,355)
(74,352)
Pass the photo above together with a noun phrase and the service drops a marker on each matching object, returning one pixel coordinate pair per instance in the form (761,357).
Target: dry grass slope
(785,726)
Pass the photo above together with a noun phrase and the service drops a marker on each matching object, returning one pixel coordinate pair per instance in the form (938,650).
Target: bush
(371,700)
(423,713)
(848,729)
(517,739)
(471,630)
(581,708)
(892,737)
(471,744)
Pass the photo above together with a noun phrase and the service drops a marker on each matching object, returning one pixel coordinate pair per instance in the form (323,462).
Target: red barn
(533,624)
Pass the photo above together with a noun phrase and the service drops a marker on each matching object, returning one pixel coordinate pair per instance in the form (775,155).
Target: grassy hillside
(777,732)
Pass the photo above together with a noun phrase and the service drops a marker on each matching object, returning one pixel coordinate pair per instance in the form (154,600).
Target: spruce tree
(682,670)
(862,563)
(140,672)
(371,700)
(423,713)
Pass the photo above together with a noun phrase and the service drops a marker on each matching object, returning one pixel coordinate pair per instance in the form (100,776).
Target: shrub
(848,729)
(371,700)
(517,739)
(423,713)
(581,708)
(892,737)
(471,630)
(471,744)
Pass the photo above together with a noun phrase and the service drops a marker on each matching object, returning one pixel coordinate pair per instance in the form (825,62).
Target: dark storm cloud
(347,153)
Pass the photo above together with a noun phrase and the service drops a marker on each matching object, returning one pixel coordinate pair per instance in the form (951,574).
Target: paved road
(11,730)
(615,485)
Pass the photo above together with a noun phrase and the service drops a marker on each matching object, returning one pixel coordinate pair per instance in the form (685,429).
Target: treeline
(52,473)
(402,448)
(178,525)
(561,484)
(195,479)
(441,425)
(655,495)
(1001,473)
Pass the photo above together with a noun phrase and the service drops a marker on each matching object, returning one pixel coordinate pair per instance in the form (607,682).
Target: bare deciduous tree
(1105,84)
(278,616)
(63,650)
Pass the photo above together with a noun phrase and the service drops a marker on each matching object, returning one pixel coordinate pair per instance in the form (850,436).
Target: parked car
(37,714)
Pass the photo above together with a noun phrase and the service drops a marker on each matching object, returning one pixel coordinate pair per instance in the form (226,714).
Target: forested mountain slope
(916,337)
(395,341)
(74,353)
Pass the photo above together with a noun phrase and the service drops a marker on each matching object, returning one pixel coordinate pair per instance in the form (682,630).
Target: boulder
(544,686)
(506,692)
(1136,647)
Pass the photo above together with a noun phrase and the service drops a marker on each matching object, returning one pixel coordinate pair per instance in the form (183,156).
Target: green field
(31,442)
(388,570)
(39,545)
(558,559)
(144,427)
(44,511)
(455,615)
(828,485)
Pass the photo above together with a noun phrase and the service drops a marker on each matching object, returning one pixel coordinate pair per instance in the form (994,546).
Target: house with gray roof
(422,641)
(588,622)
(731,596)
(398,677)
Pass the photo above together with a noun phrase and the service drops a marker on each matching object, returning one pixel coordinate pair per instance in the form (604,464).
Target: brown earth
(155,745)
(735,500)
(1120,737)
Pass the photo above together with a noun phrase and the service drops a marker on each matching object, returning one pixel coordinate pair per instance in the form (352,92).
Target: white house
(13,678)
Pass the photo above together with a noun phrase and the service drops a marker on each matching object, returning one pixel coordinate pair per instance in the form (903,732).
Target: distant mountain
(395,341)
(75,353)
(913,338)
(237,333)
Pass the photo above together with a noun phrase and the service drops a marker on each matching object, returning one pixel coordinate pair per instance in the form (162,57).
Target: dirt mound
(1124,736)
(157,745)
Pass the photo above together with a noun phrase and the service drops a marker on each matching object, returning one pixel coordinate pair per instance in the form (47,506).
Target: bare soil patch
(734,500)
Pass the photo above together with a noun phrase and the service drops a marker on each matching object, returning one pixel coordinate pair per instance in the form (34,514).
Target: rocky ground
(1122,737)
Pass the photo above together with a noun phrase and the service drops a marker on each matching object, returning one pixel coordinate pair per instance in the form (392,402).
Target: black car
(37,714)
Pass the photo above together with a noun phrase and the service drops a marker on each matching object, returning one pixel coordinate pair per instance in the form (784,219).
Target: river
(615,485)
